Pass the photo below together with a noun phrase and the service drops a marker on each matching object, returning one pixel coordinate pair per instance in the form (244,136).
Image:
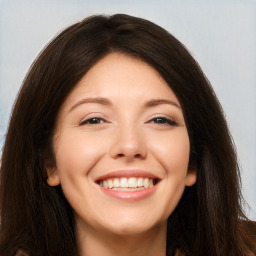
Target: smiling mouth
(128,183)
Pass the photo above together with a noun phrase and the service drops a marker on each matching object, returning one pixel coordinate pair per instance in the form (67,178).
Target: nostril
(121,150)
(122,155)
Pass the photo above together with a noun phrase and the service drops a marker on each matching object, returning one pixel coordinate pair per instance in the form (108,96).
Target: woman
(117,145)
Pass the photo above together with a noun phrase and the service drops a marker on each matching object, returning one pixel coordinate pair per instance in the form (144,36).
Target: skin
(127,133)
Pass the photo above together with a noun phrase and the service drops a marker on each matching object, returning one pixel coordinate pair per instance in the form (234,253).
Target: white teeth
(110,183)
(132,182)
(146,183)
(127,184)
(124,183)
(105,184)
(150,183)
(140,182)
(116,183)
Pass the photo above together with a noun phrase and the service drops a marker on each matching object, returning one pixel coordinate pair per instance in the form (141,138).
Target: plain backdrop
(220,34)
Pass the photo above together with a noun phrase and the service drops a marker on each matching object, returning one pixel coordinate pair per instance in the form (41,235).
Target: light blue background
(221,35)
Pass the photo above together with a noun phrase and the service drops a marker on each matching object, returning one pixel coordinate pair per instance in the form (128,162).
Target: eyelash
(93,121)
(163,121)
(157,120)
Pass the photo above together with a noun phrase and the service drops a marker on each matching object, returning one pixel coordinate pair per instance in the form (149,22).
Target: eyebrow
(98,100)
(156,102)
(107,102)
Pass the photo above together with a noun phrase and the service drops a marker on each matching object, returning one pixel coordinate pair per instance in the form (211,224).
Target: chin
(129,228)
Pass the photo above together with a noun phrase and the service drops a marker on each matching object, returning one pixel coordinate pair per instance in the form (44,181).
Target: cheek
(76,153)
(173,152)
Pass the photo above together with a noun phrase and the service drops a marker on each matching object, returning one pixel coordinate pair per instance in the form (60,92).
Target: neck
(95,242)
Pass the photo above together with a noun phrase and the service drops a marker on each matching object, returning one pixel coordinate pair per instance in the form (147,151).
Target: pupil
(94,120)
(160,120)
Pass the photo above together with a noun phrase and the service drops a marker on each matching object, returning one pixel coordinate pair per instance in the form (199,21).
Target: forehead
(120,76)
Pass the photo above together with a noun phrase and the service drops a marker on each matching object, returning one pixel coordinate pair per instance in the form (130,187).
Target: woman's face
(122,148)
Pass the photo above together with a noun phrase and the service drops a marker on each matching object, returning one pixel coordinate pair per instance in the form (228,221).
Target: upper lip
(127,173)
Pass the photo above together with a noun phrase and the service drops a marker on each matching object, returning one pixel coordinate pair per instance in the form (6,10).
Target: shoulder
(249,228)
(179,252)
(21,253)
(248,234)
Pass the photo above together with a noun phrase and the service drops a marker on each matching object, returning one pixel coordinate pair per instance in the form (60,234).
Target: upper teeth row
(124,182)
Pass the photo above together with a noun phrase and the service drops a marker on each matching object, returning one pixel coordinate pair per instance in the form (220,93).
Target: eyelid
(88,119)
(170,121)
(92,116)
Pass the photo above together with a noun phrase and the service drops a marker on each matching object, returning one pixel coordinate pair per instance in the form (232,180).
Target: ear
(53,176)
(191,177)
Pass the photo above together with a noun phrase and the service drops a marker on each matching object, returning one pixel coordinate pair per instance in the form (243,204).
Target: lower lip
(130,195)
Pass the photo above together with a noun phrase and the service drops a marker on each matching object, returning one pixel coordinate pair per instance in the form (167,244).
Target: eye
(163,121)
(93,121)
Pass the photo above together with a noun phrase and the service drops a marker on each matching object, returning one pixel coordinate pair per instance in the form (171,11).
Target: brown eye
(163,121)
(93,121)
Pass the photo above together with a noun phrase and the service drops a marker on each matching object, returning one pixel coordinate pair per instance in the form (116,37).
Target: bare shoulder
(248,233)
(179,252)
(249,227)
(21,253)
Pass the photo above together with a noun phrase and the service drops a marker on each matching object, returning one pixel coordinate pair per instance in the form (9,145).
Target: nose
(128,144)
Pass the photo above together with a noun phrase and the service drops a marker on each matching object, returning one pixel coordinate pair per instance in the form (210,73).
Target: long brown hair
(37,218)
